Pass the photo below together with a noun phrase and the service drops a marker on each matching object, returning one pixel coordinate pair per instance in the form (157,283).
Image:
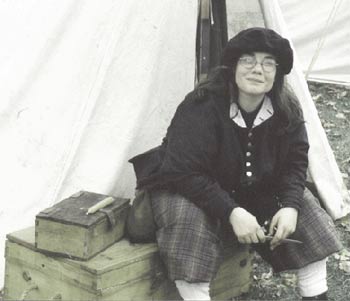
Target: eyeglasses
(267,64)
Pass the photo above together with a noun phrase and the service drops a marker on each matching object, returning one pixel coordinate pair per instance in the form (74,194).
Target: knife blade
(284,240)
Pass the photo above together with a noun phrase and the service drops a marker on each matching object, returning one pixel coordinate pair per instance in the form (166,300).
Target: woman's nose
(258,68)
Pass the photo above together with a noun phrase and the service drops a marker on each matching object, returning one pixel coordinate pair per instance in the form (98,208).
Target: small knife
(284,240)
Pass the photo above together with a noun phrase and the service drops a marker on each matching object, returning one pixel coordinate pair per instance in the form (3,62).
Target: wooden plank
(204,39)
(47,267)
(65,229)
(205,9)
(218,33)
(242,14)
(23,237)
(68,240)
(39,285)
(228,284)
(73,210)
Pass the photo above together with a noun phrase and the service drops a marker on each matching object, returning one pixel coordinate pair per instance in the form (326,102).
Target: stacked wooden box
(122,271)
(66,229)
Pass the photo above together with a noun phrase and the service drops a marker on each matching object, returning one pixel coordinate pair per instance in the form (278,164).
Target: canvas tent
(320,32)
(86,85)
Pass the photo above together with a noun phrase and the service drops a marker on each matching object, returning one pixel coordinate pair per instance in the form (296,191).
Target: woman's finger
(254,238)
(261,235)
(273,225)
(244,240)
(277,237)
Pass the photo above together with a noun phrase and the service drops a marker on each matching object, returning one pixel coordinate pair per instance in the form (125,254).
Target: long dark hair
(284,101)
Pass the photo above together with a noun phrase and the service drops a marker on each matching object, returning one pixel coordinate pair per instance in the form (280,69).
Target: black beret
(258,39)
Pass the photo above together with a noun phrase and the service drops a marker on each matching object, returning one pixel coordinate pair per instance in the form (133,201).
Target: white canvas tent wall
(320,30)
(84,86)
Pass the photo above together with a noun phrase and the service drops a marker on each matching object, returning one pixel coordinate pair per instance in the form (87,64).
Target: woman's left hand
(284,222)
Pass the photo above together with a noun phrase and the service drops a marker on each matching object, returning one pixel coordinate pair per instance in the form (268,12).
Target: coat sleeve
(191,147)
(293,176)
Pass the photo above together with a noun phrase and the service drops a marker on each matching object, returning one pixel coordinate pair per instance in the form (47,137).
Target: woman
(235,154)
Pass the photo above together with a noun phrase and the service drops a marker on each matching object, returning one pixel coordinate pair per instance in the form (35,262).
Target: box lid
(73,209)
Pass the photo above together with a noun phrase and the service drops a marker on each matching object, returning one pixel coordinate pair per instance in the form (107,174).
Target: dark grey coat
(203,157)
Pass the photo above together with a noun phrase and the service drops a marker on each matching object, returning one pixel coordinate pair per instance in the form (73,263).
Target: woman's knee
(170,208)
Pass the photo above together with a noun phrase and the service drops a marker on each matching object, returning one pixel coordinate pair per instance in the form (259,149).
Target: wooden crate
(124,271)
(66,230)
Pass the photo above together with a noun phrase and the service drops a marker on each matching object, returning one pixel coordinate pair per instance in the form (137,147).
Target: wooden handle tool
(104,203)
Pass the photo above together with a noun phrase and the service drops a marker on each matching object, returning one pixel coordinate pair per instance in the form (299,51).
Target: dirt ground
(333,106)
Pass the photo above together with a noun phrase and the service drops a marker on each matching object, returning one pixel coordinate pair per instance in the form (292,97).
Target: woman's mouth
(255,80)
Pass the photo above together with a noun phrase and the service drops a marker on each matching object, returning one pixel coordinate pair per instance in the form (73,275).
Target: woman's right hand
(246,227)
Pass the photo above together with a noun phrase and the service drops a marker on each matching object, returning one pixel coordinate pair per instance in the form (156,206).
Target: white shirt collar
(266,111)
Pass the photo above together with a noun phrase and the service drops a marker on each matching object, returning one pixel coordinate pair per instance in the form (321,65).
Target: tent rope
(323,37)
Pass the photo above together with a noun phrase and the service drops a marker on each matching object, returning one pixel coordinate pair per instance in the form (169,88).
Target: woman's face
(255,73)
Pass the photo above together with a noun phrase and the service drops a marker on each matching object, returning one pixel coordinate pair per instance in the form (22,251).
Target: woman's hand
(284,222)
(246,227)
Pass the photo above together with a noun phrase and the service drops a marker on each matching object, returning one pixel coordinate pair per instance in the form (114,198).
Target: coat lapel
(266,111)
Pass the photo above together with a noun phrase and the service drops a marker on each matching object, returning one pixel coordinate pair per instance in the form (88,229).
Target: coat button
(248,154)
(249,173)
(248,164)
(249,144)
(250,134)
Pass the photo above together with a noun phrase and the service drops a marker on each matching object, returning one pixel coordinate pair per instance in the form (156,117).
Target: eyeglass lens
(249,62)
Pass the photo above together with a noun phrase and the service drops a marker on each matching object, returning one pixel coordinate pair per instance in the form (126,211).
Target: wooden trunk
(66,230)
(124,271)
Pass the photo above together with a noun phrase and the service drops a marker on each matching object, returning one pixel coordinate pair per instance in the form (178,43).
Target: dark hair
(284,101)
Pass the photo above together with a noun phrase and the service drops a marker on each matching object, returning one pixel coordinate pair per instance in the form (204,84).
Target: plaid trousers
(191,243)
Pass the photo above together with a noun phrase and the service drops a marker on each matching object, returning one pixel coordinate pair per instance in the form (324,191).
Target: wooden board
(124,271)
(204,39)
(242,14)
